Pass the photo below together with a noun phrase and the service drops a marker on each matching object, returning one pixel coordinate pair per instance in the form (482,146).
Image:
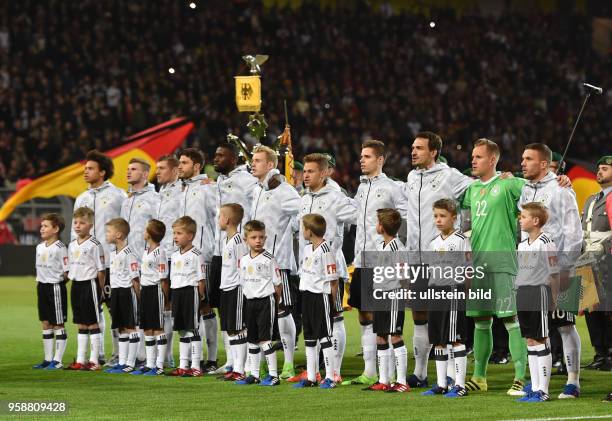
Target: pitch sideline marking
(592,417)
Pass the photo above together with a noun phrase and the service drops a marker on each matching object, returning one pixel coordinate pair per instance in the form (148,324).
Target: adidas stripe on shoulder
(268,255)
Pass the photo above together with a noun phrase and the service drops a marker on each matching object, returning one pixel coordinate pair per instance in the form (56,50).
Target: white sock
(311,359)
(239,350)
(421,346)
(133,349)
(532,357)
(210,330)
(102,326)
(544,366)
(286,329)
(450,367)
(141,353)
(571,352)
(196,351)
(124,345)
(94,340)
(368,343)
(391,363)
(82,341)
(328,357)
(441,357)
(383,363)
(168,326)
(401,361)
(229,356)
(460,360)
(270,354)
(162,344)
(150,348)
(339,340)
(254,359)
(184,349)
(60,344)
(47,335)
(115,338)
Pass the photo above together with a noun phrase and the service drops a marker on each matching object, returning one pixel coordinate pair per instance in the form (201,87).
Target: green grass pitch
(104,396)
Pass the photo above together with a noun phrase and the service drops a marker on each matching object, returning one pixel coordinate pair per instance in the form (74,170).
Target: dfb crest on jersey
(495,191)
(436,182)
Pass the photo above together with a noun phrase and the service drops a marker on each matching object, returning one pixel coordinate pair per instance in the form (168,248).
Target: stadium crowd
(92,72)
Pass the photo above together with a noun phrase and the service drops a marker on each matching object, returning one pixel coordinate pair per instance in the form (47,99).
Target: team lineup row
(265,196)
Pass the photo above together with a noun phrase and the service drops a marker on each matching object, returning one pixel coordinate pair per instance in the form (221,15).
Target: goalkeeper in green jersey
(493,204)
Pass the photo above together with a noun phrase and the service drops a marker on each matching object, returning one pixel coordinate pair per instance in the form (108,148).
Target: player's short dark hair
(194,154)
(120,225)
(103,161)
(491,146)
(319,158)
(170,159)
(84,213)
(235,212)
(434,141)
(377,146)
(544,151)
(230,147)
(447,204)
(254,225)
(537,210)
(187,223)
(390,220)
(156,230)
(56,220)
(315,223)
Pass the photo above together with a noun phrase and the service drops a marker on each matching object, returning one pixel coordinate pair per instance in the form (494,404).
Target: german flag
(584,183)
(149,145)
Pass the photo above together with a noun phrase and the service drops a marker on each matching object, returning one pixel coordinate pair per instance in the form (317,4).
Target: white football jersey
(259,275)
(187,268)
(124,267)
(446,254)
(318,269)
(537,261)
(51,262)
(233,250)
(85,260)
(390,255)
(154,267)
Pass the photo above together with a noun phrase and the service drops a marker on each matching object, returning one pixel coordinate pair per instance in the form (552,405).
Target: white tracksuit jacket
(563,225)
(275,208)
(236,187)
(106,202)
(198,201)
(373,194)
(422,189)
(138,209)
